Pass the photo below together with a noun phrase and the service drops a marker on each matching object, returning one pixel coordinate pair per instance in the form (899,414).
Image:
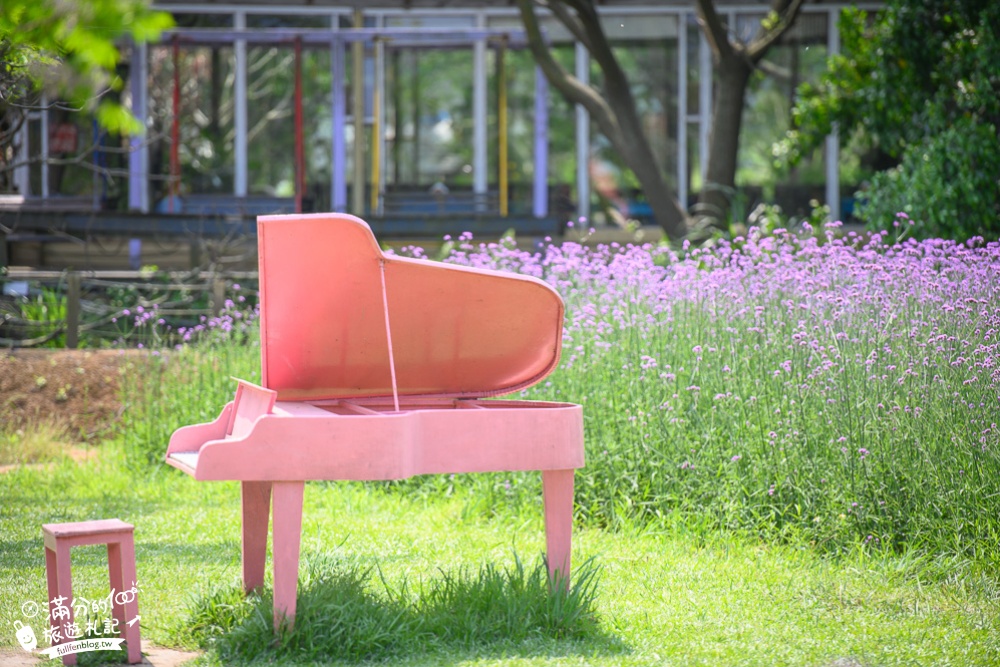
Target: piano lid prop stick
(388,335)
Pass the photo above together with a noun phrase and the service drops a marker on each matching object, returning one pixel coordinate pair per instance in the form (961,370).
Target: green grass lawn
(673,599)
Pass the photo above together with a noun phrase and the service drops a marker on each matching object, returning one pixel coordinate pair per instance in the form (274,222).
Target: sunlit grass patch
(683,598)
(38,442)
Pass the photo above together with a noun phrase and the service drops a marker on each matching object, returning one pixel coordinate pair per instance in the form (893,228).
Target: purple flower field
(842,390)
(837,390)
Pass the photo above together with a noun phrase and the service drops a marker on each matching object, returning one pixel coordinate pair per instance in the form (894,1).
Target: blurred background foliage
(69,50)
(918,85)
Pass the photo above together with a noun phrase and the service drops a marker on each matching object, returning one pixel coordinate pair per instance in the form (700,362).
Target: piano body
(375,368)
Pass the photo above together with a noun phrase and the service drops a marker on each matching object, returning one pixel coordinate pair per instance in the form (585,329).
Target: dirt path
(156,656)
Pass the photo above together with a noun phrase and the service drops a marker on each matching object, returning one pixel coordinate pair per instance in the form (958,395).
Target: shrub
(949,185)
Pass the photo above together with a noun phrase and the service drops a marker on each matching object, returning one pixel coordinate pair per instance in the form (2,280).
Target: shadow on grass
(347,613)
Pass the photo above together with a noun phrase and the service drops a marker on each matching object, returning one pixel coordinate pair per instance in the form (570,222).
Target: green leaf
(114,117)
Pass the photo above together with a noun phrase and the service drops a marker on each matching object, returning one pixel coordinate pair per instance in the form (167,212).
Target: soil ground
(76,390)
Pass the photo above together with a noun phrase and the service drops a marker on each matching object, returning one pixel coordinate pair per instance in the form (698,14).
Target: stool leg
(557,491)
(118,584)
(287,536)
(121,570)
(53,580)
(60,579)
(129,574)
(256,508)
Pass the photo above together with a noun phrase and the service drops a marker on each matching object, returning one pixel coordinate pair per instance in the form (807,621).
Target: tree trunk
(614,111)
(637,152)
(666,209)
(716,195)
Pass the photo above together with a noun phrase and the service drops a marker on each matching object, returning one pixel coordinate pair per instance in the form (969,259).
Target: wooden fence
(46,308)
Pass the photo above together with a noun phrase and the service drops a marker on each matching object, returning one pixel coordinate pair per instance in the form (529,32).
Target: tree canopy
(69,50)
(921,81)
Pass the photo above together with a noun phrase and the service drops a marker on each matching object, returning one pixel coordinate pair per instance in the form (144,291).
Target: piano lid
(455,331)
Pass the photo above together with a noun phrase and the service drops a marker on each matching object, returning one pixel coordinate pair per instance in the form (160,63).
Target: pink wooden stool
(59,538)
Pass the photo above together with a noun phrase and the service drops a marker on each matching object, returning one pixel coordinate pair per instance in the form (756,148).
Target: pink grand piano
(376,368)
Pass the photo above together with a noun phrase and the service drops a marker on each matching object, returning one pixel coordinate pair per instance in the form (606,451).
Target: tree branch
(713,30)
(83,157)
(10,128)
(787,12)
(599,48)
(571,22)
(774,71)
(572,88)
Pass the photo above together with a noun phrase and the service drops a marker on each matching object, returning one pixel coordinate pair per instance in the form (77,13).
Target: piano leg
(287,536)
(557,492)
(256,511)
